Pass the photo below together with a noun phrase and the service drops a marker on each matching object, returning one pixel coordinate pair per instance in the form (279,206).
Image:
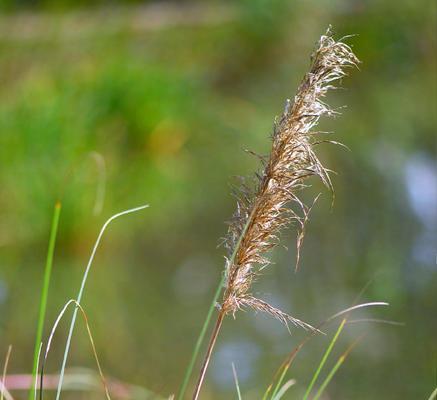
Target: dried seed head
(261,213)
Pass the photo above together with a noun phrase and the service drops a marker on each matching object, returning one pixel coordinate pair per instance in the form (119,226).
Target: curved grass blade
(5,392)
(81,290)
(282,370)
(287,385)
(90,336)
(433,395)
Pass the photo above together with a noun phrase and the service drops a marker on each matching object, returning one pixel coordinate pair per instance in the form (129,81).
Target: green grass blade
(334,369)
(324,358)
(283,369)
(329,378)
(200,339)
(287,385)
(80,294)
(433,395)
(5,368)
(280,380)
(90,337)
(44,293)
(266,393)
(237,385)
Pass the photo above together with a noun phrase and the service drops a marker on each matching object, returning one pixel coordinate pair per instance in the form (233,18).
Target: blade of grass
(376,321)
(324,358)
(5,391)
(35,384)
(237,385)
(287,363)
(280,380)
(356,307)
(282,370)
(200,339)
(81,290)
(433,395)
(287,385)
(334,369)
(101,182)
(5,368)
(207,321)
(44,292)
(90,336)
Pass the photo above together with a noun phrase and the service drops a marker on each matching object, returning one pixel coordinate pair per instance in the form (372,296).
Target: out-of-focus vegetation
(170,95)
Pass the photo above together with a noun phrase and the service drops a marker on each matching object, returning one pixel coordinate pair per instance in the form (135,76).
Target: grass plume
(292,161)
(263,212)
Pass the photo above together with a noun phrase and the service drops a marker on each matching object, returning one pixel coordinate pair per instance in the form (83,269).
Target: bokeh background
(159,101)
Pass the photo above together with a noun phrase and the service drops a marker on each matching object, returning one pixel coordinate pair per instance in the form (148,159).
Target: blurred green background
(170,95)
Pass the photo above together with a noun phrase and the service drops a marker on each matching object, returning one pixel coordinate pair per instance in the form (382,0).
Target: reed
(264,211)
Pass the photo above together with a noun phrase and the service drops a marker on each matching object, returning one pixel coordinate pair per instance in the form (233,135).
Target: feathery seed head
(263,212)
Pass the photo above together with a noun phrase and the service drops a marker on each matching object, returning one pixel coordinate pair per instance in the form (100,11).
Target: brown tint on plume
(261,214)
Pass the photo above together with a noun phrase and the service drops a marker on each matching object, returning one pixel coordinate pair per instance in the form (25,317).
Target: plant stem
(211,344)
(237,385)
(324,358)
(207,321)
(334,369)
(200,339)
(44,293)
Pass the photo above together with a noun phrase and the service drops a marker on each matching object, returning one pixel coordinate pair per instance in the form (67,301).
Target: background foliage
(170,95)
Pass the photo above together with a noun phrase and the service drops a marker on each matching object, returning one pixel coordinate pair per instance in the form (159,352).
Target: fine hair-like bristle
(262,213)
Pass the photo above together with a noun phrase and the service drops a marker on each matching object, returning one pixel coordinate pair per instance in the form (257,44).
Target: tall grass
(334,369)
(199,341)
(264,211)
(81,291)
(324,358)
(279,377)
(44,294)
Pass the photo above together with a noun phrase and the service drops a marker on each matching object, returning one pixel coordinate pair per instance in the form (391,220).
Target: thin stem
(237,385)
(200,339)
(329,378)
(334,369)
(211,344)
(207,321)
(44,293)
(324,358)
(281,378)
(5,368)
